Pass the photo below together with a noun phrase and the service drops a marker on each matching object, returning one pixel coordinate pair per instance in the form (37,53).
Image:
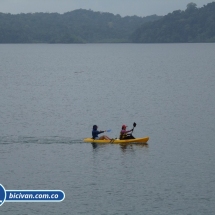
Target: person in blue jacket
(95,134)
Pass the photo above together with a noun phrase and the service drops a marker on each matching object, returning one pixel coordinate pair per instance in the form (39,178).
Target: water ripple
(38,140)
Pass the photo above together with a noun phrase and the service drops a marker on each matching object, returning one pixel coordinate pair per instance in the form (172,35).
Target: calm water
(51,95)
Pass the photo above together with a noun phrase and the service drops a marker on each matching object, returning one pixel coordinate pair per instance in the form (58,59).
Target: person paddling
(125,134)
(95,133)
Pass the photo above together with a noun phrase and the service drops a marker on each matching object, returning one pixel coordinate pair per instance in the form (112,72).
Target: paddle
(134,125)
(108,130)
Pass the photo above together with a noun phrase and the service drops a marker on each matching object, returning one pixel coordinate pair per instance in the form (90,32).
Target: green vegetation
(86,26)
(192,25)
(79,26)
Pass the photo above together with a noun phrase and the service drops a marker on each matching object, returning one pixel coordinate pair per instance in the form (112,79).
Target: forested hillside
(78,26)
(192,25)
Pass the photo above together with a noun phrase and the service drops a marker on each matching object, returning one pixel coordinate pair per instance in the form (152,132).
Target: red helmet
(124,126)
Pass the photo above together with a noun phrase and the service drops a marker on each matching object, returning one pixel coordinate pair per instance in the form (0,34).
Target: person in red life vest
(125,134)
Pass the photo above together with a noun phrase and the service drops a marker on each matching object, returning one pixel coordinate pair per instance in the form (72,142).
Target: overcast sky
(121,7)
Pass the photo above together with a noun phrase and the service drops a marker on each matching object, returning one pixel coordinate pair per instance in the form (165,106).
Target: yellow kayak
(118,141)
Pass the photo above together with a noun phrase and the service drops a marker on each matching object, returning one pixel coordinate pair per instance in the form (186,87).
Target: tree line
(190,26)
(78,26)
(86,26)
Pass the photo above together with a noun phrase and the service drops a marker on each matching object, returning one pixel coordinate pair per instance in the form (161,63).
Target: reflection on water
(94,145)
(123,146)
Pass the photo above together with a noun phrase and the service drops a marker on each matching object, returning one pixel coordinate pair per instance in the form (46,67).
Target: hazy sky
(121,7)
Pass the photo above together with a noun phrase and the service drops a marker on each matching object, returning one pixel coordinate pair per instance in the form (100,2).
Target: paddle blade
(134,124)
(108,130)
